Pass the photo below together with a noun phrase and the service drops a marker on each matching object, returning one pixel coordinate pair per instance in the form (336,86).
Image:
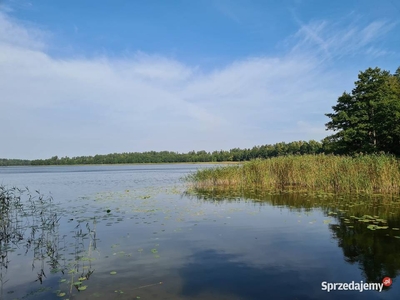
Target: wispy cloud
(82,106)
(338,39)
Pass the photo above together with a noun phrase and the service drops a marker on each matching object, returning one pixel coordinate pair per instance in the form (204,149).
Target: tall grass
(368,174)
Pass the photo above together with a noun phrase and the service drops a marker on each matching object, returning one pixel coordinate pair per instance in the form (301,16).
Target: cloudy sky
(97,77)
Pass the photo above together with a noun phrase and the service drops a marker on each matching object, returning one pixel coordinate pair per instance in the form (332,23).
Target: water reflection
(30,229)
(376,252)
(218,245)
(210,272)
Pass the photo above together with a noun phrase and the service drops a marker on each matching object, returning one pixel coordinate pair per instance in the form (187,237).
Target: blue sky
(89,77)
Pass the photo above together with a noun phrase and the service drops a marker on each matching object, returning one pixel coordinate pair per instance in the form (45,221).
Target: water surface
(133,233)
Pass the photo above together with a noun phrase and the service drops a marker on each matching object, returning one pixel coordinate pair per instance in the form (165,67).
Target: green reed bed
(368,174)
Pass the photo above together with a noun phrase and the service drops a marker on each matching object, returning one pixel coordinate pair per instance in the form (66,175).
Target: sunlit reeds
(368,174)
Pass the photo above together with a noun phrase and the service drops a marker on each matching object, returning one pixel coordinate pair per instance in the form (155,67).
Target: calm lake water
(130,232)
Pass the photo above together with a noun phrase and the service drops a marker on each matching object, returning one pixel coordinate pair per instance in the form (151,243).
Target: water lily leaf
(368,217)
(382,227)
(61,294)
(82,288)
(113,273)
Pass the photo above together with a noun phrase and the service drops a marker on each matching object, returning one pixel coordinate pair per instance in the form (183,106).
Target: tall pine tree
(368,119)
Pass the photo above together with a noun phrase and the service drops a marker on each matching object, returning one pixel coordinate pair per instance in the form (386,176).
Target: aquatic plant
(369,174)
(30,221)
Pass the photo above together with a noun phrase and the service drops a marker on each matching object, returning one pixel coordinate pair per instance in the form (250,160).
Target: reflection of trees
(376,252)
(30,221)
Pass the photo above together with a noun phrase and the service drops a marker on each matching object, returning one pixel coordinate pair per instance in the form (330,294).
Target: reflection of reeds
(361,174)
(385,206)
(33,220)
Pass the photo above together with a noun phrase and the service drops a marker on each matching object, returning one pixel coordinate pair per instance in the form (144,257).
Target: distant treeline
(14,162)
(300,147)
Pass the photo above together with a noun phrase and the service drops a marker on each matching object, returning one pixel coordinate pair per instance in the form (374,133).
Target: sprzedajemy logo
(356,286)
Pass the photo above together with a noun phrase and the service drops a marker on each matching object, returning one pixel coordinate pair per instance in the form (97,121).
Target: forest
(14,162)
(364,121)
(311,147)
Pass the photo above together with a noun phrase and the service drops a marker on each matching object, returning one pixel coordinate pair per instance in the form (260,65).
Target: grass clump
(369,174)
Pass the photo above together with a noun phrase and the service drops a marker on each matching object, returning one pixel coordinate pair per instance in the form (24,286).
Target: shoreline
(136,164)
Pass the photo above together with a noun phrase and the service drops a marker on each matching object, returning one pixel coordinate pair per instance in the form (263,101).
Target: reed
(369,174)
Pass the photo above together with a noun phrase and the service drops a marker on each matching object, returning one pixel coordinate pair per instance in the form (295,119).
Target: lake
(132,232)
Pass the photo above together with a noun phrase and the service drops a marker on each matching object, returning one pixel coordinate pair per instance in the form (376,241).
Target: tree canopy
(367,120)
(236,154)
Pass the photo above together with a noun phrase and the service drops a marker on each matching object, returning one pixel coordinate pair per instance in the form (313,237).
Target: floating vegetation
(372,219)
(365,227)
(382,212)
(113,273)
